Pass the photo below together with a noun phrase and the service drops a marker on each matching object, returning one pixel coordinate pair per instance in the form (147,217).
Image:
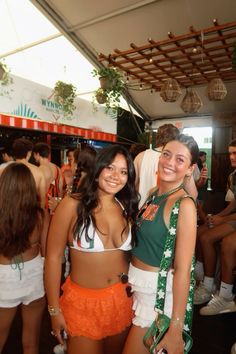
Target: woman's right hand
(58,326)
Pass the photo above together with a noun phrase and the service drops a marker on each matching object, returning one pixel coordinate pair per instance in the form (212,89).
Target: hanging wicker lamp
(191,102)
(216,90)
(170,90)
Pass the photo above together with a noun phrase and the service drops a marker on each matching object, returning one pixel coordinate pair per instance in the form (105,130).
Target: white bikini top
(95,244)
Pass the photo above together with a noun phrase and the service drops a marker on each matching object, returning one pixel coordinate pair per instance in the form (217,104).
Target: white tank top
(148,173)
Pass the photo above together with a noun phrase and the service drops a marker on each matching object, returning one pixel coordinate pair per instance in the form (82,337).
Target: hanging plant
(64,94)
(111,88)
(100,95)
(234,58)
(5,77)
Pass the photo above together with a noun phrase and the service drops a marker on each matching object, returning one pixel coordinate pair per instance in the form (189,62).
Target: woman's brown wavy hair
(20,209)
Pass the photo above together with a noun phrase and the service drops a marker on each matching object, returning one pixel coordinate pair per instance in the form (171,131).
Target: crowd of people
(108,216)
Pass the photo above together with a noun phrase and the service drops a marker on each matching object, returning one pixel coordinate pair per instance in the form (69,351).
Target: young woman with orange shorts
(95,309)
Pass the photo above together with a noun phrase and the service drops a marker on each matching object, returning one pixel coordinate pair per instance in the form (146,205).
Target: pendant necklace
(152,205)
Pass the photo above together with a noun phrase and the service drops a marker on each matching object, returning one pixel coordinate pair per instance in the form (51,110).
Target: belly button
(109,281)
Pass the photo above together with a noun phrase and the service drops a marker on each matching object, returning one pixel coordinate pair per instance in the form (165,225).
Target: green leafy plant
(112,85)
(64,94)
(5,79)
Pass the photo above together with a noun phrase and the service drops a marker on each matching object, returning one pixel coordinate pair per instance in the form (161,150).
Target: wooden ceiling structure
(192,59)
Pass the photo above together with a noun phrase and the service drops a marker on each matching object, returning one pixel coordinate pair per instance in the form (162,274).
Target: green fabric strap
(166,262)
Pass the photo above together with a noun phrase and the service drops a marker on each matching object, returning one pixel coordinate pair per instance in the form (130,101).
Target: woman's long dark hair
(88,195)
(85,163)
(20,209)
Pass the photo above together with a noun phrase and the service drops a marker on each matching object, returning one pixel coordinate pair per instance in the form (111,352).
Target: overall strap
(166,262)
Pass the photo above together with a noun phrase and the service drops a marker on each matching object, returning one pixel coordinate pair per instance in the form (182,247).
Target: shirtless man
(7,157)
(22,150)
(51,171)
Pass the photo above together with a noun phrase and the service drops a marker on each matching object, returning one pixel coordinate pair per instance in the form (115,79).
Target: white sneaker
(60,349)
(233,349)
(217,306)
(201,295)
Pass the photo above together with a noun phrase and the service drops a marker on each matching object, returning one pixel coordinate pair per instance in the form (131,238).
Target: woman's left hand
(172,342)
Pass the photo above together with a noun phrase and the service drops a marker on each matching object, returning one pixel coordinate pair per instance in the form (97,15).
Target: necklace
(161,197)
(151,206)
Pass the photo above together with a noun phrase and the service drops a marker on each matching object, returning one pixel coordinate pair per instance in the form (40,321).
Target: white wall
(29,99)
(181,123)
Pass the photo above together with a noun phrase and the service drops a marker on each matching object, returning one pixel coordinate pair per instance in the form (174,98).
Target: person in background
(146,162)
(70,159)
(211,234)
(200,175)
(67,169)
(22,149)
(96,308)
(136,149)
(21,264)
(224,301)
(201,159)
(177,160)
(7,157)
(50,170)
(231,185)
(82,166)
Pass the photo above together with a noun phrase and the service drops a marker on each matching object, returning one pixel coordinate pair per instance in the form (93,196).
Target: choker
(159,198)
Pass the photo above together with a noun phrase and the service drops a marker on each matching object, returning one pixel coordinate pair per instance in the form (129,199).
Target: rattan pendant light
(216,90)
(170,90)
(191,102)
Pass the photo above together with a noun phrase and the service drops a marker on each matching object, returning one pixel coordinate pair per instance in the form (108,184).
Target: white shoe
(201,295)
(217,306)
(60,349)
(233,349)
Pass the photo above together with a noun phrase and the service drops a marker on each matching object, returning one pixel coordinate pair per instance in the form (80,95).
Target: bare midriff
(98,270)
(143,266)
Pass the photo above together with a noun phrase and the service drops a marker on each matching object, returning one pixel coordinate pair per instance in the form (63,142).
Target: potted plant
(101,96)
(112,85)
(5,74)
(64,94)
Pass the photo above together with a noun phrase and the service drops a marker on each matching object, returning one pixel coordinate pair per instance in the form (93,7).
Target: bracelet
(177,322)
(54,311)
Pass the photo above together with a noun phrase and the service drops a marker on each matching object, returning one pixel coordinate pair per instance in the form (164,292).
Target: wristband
(54,311)
(177,322)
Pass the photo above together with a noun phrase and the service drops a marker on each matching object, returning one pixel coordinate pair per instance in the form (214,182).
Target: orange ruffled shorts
(96,313)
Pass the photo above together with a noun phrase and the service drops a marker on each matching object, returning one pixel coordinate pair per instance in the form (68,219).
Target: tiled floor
(211,335)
